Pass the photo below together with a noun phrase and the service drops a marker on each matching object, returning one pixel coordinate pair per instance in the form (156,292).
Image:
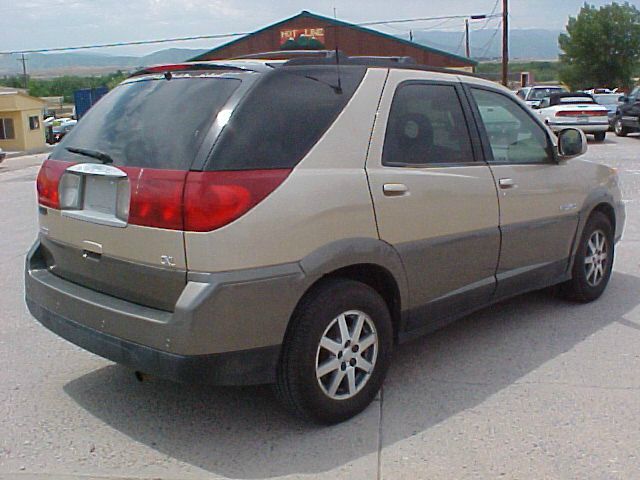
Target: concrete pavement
(531,388)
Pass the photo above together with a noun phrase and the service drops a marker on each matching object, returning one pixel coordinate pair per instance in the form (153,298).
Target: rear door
(435,200)
(539,198)
(111,192)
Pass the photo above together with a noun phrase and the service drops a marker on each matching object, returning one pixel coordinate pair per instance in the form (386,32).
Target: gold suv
(289,222)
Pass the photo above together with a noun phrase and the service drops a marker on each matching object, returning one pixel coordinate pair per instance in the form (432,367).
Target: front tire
(336,352)
(600,136)
(594,261)
(619,129)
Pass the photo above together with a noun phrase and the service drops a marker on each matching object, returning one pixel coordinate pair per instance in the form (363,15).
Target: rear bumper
(226,328)
(247,367)
(586,128)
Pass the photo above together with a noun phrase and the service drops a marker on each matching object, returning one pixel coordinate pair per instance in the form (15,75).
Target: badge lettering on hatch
(167,261)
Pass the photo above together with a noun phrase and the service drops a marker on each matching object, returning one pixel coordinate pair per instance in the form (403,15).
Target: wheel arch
(370,261)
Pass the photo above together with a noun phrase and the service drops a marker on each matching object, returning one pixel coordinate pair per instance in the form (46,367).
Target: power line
(214,36)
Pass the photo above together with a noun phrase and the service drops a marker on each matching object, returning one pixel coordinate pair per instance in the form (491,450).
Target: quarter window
(426,126)
(514,136)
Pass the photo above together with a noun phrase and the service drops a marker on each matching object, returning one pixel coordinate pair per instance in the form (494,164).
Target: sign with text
(302,39)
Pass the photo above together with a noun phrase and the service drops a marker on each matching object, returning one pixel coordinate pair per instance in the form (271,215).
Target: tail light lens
(156,197)
(48,182)
(197,201)
(581,113)
(215,199)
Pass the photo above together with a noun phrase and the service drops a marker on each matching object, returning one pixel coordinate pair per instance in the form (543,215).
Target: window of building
(6,129)
(426,126)
(34,122)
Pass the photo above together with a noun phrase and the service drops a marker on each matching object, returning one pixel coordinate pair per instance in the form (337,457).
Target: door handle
(395,189)
(507,183)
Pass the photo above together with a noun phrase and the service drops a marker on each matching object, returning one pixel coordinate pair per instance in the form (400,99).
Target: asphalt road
(530,388)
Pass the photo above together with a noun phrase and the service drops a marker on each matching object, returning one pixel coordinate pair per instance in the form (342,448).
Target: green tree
(601,47)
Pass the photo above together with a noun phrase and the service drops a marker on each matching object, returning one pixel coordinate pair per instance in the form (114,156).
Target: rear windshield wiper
(103,157)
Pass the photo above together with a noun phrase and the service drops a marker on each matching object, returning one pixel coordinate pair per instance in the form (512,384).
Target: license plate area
(583,119)
(97,194)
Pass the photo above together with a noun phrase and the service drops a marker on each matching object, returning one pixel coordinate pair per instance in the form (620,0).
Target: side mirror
(571,143)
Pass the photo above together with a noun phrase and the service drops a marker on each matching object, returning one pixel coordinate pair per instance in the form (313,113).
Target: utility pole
(466,36)
(505,42)
(25,79)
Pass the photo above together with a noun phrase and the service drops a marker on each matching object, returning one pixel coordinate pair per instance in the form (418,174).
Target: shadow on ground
(243,433)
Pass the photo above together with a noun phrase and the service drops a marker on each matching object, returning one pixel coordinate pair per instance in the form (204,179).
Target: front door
(435,199)
(539,198)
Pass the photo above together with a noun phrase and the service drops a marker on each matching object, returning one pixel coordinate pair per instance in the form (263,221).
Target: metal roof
(307,14)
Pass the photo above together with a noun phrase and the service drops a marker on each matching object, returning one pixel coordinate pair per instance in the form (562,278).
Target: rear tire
(336,352)
(619,129)
(600,136)
(593,263)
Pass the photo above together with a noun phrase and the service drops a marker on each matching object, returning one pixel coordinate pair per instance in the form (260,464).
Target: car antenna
(339,89)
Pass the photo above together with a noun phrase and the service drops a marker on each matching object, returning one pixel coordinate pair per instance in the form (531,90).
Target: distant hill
(485,44)
(40,64)
(530,44)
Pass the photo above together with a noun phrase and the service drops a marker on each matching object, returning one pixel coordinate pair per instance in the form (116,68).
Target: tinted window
(154,123)
(513,135)
(283,116)
(540,93)
(426,125)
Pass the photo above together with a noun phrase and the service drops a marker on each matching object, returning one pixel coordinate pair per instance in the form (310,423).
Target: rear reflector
(215,199)
(48,182)
(582,113)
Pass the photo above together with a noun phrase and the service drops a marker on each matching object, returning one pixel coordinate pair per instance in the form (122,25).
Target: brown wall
(351,41)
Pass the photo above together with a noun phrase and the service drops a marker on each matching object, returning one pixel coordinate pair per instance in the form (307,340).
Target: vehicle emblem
(568,207)
(167,261)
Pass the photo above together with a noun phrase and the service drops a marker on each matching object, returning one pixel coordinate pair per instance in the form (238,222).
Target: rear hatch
(111,193)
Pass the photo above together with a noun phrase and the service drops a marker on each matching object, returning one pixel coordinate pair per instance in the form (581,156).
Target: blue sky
(29,24)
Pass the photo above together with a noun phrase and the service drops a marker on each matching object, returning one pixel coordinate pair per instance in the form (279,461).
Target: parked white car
(534,95)
(575,110)
(2,155)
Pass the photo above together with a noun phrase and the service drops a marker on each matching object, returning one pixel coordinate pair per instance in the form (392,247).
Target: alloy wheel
(597,258)
(346,355)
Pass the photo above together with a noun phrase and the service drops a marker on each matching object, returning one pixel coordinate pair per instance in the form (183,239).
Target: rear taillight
(582,113)
(196,201)
(215,199)
(48,182)
(156,197)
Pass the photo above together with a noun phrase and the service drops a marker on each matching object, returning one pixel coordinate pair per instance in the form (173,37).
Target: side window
(521,93)
(426,126)
(546,102)
(513,135)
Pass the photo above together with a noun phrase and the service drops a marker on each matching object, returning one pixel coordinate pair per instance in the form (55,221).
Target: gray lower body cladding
(232,314)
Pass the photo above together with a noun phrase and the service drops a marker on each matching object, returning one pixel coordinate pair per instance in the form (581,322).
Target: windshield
(540,93)
(151,122)
(609,99)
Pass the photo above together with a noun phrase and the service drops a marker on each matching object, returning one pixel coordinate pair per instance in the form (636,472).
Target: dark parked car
(627,118)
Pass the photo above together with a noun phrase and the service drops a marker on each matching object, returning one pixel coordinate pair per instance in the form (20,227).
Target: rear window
(540,93)
(152,122)
(283,116)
